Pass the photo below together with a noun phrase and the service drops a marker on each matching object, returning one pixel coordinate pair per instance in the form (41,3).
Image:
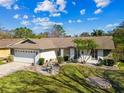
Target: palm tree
(85,46)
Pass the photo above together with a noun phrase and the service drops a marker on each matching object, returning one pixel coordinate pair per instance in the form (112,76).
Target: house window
(82,52)
(94,54)
(58,52)
(106,52)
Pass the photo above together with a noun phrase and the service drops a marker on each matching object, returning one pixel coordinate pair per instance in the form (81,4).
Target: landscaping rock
(100,82)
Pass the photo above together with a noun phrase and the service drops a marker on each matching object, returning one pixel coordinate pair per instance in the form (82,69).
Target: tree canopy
(118,37)
(5,33)
(97,32)
(57,31)
(118,34)
(23,32)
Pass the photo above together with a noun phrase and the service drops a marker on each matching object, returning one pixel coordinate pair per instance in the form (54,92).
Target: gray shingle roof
(103,42)
(4,43)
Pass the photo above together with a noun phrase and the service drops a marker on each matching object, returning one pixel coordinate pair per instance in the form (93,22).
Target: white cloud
(33,16)
(40,28)
(111,26)
(74,21)
(44,22)
(79,21)
(102,3)
(7,3)
(55,15)
(25,23)
(16,7)
(39,21)
(98,11)
(82,12)
(54,7)
(70,21)
(62,4)
(74,3)
(45,6)
(92,19)
(25,17)
(16,16)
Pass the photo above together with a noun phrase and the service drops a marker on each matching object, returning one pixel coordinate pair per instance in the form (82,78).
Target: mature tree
(86,47)
(121,25)
(118,53)
(118,34)
(57,31)
(118,37)
(44,34)
(23,32)
(109,33)
(5,33)
(98,33)
(76,35)
(84,34)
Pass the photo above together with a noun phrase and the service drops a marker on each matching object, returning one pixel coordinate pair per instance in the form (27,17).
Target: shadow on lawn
(81,82)
(115,79)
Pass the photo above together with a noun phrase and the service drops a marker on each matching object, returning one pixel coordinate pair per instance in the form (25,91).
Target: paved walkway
(9,68)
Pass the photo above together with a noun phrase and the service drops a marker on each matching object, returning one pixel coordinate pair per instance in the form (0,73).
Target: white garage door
(24,56)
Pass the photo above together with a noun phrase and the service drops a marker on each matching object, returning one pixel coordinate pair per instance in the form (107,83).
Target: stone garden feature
(99,82)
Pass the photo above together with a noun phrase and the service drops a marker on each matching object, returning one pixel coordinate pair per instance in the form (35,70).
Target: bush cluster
(106,62)
(10,58)
(60,59)
(41,61)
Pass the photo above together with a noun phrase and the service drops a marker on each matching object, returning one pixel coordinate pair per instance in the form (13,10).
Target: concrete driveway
(9,68)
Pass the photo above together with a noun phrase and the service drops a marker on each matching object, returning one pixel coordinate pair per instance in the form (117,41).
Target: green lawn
(70,80)
(121,65)
(1,62)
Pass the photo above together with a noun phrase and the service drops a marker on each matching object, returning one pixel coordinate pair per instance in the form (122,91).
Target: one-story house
(4,50)
(30,50)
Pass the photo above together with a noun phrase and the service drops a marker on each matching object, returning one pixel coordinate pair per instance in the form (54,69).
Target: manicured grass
(1,62)
(70,80)
(121,65)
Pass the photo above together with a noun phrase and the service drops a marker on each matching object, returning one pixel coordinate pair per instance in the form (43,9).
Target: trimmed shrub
(101,62)
(60,59)
(10,58)
(106,62)
(109,62)
(121,65)
(1,62)
(66,58)
(41,61)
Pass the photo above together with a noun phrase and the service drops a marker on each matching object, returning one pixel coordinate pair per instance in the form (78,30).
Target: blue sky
(76,16)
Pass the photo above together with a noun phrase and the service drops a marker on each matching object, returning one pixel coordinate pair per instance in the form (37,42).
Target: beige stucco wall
(4,52)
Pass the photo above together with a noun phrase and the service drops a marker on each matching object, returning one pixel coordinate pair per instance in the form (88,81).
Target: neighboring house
(30,50)
(4,50)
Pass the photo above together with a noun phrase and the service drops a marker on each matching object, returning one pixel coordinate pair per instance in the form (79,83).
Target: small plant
(10,58)
(100,62)
(60,59)
(66,58)
(41,61)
